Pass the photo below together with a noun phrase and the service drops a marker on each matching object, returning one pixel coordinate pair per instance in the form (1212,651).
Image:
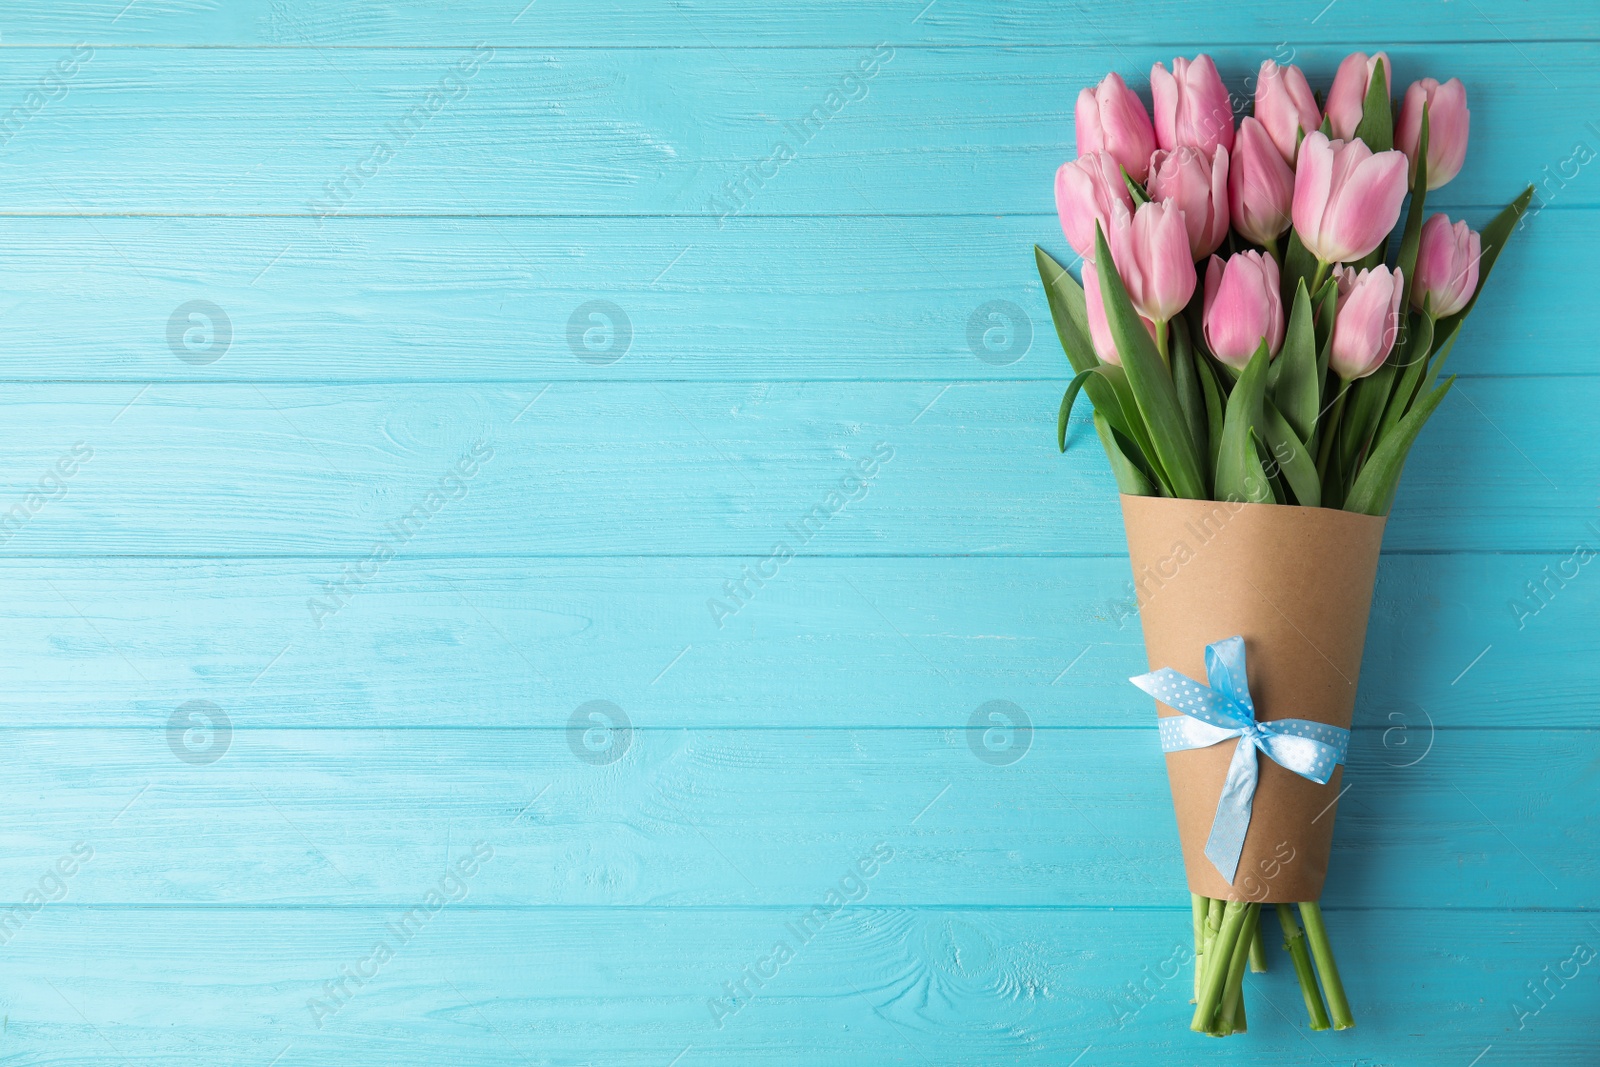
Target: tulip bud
(1346,197)
(1348,96)
(1368,320)
(1242,307)
(1447,266)
(1199,186)
(1086,191)
(1151,251)
(1099,327)
(1111,119)
(1448,120)
(1260,185)
(1285,106)
(1191,105)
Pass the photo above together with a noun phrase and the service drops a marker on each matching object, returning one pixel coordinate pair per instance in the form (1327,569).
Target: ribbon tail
(1226,843)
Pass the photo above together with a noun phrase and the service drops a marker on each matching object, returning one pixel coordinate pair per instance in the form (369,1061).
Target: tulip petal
(1368,204)
(1313,178)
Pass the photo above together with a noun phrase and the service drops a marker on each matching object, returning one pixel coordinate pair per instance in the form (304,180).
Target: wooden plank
(664,131)
(552,23)
(874,986)
(693,818)
(686,469)
(826,642)
(950,299)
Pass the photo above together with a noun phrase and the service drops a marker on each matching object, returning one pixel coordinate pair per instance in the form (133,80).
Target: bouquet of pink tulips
(1299,373)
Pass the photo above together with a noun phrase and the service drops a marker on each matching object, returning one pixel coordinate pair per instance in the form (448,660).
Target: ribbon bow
(1212,715)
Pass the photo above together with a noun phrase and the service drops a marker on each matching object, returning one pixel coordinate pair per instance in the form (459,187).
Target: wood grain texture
(574,23)
(760,299)
(661,131)
(1030,908)
(593,469)
(875,986)
(696,818)
(826,643)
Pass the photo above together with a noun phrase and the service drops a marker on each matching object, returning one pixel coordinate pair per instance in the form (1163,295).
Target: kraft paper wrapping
(1296,584)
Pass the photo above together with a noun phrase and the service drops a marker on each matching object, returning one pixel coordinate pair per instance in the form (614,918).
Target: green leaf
(1411,240)
(1135,190)
(1185,381)
(1104,371)
(1153,391)
(1372,258)
(1419,341)
(1327,303)
(1067,308)
(1280,493)
(1492,242)
(1435,364)
(1065,411)
(1374,489)
(1333,480)
(1377,121)
(1293,382)
(1291,457)
(1299,265)
(1071,316)
(1127,460)
(1130,479)
(1239,472)
(1214,407)
(1369,397)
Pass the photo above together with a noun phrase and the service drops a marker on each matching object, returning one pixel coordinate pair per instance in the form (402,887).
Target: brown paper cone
(1296,584)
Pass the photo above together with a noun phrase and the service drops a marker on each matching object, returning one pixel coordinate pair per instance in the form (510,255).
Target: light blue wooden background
(173,156)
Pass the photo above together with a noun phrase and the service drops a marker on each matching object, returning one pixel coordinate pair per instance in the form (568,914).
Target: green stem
(1330,428)
(1231,1017)
(1214,909)
(1272,250)
(1319,277)
(1258,949)
(1219,955)
(1161,343)
(1199,906)
(1294,943)
(1327,969)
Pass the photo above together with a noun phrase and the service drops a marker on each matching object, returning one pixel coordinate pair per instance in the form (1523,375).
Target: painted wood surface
(594,468)
(702,818)
(531,357)
(628,131)
(880,642)
(636,986)
(728,23)
(757,299)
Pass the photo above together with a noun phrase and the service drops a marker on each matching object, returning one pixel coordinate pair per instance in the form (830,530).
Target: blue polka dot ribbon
(1212,715)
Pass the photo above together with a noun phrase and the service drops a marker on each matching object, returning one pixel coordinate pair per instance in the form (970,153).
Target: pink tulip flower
(1448,121)
(1368,320)
(1346,197)
(1111,119)
(1242,307)
(1285,106)
(1260,185)
(1447,266)
(1199,186)
(1087,189)
(1191,105)
(1348,96)
(1099,328)
(1151,250)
